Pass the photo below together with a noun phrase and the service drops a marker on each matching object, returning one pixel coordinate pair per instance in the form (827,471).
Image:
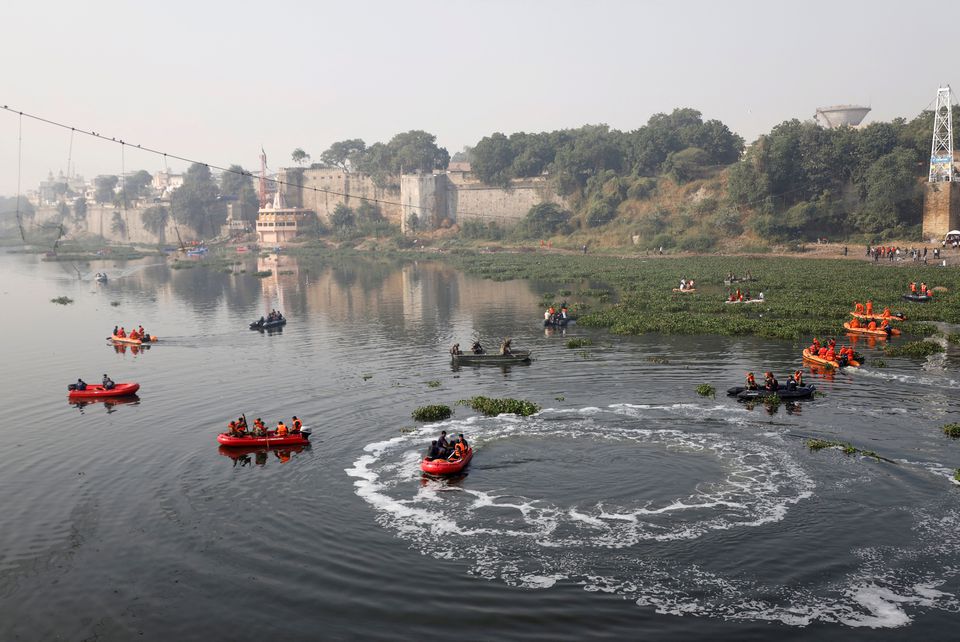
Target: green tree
(155,220)
(893,194)
(299,156)
(105,186)
(136,184)
(492,159)
(236,184)
(118,224)
(80,208)
(342,217)
(344,154)
(197,202)
(687,164)
(417,150)
(544,219)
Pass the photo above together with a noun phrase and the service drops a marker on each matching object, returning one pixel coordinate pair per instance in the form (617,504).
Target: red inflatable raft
(445,466)
(290,439)
(96,391)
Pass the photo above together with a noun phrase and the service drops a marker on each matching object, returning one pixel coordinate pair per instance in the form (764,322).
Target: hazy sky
(215,80)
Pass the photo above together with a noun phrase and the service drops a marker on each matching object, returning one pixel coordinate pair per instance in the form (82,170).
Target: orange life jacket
(281,429)
(913,288)
(869,307)
(872,326)
(859,308)
(459,450)
(822,352)
(855,323)
(297,425)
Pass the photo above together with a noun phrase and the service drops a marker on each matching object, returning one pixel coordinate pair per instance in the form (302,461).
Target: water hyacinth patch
(952,430)
(436,412)
(493,407)
(62,300)
(706,390)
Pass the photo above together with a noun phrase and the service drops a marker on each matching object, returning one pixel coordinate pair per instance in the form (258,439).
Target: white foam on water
(531,542)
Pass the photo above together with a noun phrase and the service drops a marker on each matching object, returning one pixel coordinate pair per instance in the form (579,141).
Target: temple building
(277,224)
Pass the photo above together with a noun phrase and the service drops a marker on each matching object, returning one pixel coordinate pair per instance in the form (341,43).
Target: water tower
(840,115)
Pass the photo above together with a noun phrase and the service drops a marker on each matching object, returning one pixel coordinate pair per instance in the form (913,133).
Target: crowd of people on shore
(138,333)
(895,253)
(239,428)
(449,449)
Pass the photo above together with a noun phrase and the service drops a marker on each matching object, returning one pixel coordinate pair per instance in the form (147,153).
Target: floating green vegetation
(227,270)
(915,349)
(436,412)
(956,475)
(706,390)
(285,272)
(408,429)
(952,430)
(845,447)
(658,360)
(564,293)
(62,300)
(182,265)
(115,303)
(802,308)
(261,274)
(579,343)
(493,407)
(559,397)
(366,376)
(879,363)
(433,383)
(954,338)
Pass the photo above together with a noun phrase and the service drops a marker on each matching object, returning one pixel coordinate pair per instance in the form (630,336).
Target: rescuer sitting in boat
(751,382)
(770,382)
(505,348)
(296,426)
(477,348)
(433,452)
(281,429)
(81,384)
(443,445)
(459,451)
(455,349)
(259,428)
(108,383)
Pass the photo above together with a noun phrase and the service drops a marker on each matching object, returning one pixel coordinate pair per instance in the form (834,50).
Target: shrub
(599,213)
(432,413)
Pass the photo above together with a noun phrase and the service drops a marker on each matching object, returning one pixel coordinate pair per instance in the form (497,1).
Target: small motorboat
(685,290)
(877,332)
(97,391)
(491,359)
(268,325)
(917,298)
(248,440)
(558,321)
(784,392)
(446,466)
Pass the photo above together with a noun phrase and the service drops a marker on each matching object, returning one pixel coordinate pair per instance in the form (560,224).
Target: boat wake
(645,547)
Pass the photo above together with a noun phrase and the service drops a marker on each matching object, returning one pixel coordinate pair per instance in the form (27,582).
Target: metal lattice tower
(941,151)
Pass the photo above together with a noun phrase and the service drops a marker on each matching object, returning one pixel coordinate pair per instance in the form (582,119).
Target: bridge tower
(941,195)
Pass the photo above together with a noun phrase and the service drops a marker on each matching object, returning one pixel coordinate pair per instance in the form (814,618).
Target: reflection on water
(628,483)
(109,404)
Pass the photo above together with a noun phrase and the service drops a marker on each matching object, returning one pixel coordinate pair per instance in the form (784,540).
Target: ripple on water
(508,523)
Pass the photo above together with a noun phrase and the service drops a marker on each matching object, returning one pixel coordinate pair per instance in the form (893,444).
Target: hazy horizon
(216,83)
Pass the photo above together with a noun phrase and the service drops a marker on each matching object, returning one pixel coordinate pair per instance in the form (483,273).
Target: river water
(630,507)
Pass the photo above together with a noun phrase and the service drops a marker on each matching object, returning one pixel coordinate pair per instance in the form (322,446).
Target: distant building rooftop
(840,115)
